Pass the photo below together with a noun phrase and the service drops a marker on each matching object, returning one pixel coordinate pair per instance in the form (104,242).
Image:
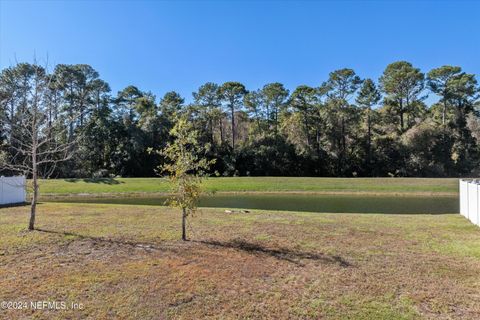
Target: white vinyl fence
(470,200)
(12,190)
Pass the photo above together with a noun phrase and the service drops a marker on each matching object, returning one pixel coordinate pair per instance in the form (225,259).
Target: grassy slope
(126,262)
(254,184)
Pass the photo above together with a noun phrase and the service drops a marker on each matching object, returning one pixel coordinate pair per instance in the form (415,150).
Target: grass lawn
(126,262)
(258,184)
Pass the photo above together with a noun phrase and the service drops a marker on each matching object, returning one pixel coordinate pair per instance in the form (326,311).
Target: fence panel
(12,190)
(474,214)
(470,200)
(463,198)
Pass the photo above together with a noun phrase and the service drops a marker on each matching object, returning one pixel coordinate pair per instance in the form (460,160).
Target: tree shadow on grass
(110,181)
(285,254)
(100,240)
(293,256)
(11,205)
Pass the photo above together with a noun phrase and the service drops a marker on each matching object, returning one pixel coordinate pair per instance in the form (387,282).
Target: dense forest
(347,126)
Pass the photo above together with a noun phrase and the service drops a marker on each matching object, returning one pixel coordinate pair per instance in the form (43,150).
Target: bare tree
(38,136)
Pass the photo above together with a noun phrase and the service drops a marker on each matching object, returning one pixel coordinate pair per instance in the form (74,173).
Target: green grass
(257,184)
(127,262)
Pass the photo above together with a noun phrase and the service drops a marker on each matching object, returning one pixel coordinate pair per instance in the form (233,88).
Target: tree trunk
(344,147)
(81,115)
(401,120)
(268,118)
(306,129)
(276,122)
(232,108)
(70,114)
(444,112)
(369,143)
(184,224)
(212,133)
(222,139)
(33,208)
(70,128)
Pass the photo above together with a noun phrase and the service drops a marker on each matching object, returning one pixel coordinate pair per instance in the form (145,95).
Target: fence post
(476,215)
(475,201)
(468,201)
(1,190)
(460,186)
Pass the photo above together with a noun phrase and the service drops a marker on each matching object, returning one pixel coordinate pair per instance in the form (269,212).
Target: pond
(305,202)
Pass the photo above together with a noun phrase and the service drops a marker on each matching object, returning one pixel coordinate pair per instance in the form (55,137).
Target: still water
(306,202)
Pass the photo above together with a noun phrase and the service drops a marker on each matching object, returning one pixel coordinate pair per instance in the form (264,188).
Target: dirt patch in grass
(125,262)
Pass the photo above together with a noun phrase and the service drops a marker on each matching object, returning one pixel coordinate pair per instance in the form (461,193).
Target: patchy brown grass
(126,262)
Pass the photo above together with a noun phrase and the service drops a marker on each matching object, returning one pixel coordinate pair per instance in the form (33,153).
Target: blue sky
(162,46)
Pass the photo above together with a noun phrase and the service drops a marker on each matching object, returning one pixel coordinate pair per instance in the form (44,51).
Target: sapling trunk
(184,224)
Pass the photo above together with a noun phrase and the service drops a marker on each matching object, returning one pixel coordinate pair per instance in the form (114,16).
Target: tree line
(347,126)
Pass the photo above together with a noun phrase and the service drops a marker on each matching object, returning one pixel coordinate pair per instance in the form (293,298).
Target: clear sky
(161,46)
